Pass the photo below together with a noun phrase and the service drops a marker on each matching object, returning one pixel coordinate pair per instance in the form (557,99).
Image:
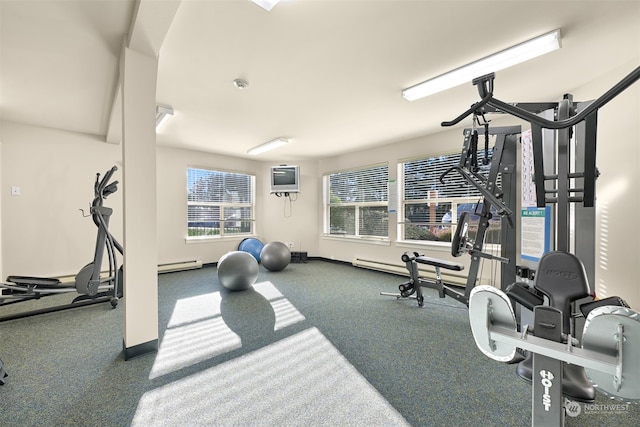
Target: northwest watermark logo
(573,409)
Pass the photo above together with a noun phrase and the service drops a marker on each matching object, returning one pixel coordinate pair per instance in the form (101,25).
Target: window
(219,203)
(430,209)
(357,202)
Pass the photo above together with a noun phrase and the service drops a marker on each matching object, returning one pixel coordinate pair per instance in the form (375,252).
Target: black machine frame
(556,189)
(566,117)
(501,197)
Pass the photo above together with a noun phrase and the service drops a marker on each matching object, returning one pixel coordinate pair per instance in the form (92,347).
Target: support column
(139,75)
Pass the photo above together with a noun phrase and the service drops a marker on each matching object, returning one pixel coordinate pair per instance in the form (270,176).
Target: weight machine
(608,352)
(497,188)
(89,282)
(610,337)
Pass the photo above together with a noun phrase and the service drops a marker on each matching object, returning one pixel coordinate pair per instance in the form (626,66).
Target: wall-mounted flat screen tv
(285,179)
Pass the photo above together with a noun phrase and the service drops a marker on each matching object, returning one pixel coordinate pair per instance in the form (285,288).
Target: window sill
(431,244)
(213,239)
(354,239)
(440,246)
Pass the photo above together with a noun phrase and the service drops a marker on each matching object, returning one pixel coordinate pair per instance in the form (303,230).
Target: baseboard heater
(401,270)
(180,266)
(162,268)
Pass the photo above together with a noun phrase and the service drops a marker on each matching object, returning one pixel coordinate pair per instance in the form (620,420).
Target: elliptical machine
(90,283)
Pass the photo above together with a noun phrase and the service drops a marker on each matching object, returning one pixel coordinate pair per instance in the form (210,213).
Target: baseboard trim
(335,261)
(309,258)
(139,350)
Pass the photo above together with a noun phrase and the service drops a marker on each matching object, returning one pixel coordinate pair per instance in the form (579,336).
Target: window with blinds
(357,204)
(219,203)
(430,208)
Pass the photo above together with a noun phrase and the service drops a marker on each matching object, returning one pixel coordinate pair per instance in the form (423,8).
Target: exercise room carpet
(313,345)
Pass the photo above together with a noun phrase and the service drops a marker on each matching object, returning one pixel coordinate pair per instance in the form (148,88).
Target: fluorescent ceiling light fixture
(278,142)
(163,113)
(498,61)
(266,4)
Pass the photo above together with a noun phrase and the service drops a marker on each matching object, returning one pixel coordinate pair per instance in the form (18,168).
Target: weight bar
(491,307)
(597,337)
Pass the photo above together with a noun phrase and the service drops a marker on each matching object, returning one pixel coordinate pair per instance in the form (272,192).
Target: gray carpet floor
(312,345)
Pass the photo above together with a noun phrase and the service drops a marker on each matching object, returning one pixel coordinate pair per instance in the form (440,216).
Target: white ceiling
(326,73)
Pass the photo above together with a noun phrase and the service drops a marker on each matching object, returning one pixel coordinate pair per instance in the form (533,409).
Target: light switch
(15,191)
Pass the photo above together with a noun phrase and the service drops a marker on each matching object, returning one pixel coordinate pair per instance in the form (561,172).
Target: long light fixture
(163,113)
(267,146)
(266,4)
(498,61)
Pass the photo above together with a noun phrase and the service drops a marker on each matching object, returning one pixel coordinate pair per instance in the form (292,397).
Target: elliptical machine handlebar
(103,183)
(102,188)
(107,177)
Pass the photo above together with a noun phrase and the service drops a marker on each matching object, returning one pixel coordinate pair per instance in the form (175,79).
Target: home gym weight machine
(498,192)
(610,339)
(89,282)
(608,352)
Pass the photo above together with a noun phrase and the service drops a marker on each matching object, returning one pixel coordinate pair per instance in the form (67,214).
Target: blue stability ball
(275,256)
(252,246)
(237,270)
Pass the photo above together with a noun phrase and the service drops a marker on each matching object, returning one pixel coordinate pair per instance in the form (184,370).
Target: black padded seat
(562,279)
(588,307)
(522,294)
(439,263)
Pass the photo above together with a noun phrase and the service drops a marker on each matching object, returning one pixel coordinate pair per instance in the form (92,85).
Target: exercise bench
(415,283)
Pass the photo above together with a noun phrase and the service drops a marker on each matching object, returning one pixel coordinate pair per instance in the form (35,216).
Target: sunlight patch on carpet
(197,330)
(300,380)
(286,313)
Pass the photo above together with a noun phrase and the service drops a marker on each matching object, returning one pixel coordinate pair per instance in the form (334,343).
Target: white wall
(44,234)
(449,140)
(617,188)
(43,230)
(294,219)
(172,205)
(618,246)
(1,186)
(276,218)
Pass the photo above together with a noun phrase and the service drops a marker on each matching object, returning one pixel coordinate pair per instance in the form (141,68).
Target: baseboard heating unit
(179,266)
(162,268)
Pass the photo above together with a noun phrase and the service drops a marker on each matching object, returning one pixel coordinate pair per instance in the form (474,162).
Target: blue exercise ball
(252,246)
(275,256)
(237,270)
